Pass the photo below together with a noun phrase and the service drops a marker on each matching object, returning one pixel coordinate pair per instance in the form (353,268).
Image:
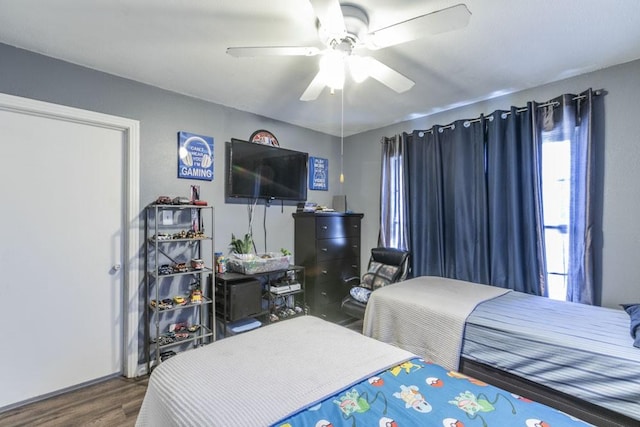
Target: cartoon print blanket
(416,393)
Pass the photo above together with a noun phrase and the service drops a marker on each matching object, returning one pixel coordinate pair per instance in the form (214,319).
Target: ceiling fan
(344,30)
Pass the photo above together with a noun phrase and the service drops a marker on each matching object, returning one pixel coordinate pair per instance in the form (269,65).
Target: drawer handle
(324,249)
(324,272)
(324,227)
(355,226)
(355,246)
(324,294)
(354,266)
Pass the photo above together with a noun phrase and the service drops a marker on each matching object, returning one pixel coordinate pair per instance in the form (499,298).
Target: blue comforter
(417,393)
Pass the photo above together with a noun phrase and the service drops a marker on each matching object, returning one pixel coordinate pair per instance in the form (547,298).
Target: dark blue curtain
(448,201)
(515,205)
(579,123)
(473,197)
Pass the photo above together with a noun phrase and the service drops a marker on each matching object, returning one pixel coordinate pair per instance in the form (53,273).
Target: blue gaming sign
(195,156)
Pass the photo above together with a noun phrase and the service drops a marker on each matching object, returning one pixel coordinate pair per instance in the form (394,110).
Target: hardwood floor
(112,403)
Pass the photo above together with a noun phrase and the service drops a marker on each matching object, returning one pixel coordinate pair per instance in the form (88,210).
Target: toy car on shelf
(165,304)
(180,235)
(165,269)
(180,267)
(178,327)
(163,200)
(191,234)
(196,296)
(181,201)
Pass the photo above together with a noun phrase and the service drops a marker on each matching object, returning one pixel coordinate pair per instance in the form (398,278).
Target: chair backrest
(386,266)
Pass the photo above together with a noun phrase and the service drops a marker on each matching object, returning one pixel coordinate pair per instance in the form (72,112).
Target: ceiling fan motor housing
(356,23)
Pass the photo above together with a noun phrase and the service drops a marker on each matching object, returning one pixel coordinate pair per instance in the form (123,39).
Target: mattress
(259,377)
(581,350)
(309,372)
(425,315)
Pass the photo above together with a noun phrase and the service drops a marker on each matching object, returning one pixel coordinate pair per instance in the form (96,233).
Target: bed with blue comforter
(309,372)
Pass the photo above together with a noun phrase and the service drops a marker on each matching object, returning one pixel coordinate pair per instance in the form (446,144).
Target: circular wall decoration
(264,137)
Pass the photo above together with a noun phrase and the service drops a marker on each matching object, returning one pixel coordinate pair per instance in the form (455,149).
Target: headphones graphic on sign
(185,154)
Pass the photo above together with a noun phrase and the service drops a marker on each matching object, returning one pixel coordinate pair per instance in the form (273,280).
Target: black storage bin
(238,299)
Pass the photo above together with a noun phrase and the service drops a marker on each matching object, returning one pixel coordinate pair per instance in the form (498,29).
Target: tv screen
(259,171)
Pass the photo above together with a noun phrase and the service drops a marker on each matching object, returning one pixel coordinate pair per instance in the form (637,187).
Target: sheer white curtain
(394,232)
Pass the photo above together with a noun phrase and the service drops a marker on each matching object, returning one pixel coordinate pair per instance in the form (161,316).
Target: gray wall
(162,114)
(620,240)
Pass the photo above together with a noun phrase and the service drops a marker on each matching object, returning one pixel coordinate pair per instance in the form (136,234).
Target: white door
(62,218)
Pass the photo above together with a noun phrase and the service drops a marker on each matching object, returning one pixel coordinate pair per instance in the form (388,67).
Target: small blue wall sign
(318,173)
(195,156)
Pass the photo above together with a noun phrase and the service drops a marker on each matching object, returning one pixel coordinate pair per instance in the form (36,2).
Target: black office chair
(386,266)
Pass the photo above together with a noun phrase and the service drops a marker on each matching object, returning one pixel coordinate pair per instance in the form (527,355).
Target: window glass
(556,187)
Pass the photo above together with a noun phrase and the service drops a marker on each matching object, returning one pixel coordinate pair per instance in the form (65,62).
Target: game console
(283,289)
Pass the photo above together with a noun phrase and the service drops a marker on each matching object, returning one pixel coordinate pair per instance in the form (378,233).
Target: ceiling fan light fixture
(329,38)
(332,69)
(358,68)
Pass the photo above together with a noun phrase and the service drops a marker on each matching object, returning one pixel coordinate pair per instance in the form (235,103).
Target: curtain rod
(506,113)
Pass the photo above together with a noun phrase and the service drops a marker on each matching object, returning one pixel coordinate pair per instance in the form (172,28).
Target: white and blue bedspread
(416,393)
(581,350)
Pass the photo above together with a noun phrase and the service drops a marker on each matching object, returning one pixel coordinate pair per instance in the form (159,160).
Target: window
(395,205)
(556,191)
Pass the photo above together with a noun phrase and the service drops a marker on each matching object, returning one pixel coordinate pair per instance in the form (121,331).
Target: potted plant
(241,246)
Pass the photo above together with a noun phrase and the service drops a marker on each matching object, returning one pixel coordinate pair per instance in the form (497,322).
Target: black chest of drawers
(328,246)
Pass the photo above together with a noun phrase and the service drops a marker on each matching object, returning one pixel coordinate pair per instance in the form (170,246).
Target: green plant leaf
(241,246)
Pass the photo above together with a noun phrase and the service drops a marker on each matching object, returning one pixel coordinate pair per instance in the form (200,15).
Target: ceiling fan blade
(441,21)
(387,75)
(330,16)
(314,89)
(273,51)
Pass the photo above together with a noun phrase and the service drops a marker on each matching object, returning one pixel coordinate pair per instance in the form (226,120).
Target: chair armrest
(352,279)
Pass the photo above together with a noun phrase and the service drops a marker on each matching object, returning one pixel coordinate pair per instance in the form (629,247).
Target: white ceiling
(509,45)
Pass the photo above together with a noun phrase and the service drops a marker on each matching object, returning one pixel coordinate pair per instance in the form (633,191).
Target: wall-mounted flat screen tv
(259,171)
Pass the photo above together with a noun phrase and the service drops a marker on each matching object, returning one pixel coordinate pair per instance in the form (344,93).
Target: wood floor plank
(111,403)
